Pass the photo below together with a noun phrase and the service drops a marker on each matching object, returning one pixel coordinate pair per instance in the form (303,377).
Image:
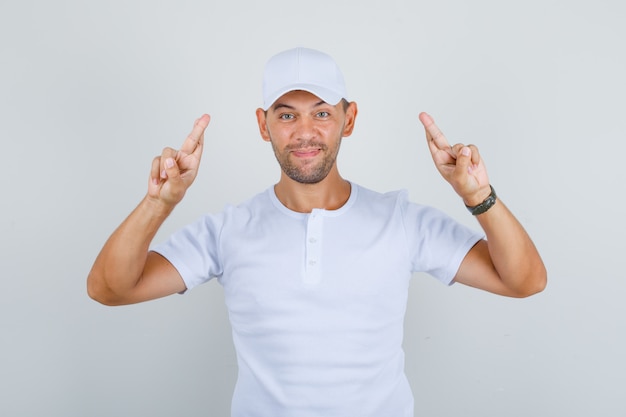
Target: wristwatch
(485,205)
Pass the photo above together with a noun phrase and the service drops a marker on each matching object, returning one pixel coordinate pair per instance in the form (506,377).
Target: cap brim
(329,96)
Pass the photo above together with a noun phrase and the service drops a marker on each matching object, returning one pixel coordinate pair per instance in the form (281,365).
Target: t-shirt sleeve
(437,243)
(194,250)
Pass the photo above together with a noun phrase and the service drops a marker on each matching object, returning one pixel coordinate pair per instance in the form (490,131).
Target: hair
(345,104)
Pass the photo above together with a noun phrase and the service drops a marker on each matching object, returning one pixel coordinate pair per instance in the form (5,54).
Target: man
(316,269)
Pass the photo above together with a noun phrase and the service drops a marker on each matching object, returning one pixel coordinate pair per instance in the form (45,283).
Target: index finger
(197,135)
(434,134)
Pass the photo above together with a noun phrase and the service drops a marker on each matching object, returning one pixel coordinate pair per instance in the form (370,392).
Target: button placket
(313,248)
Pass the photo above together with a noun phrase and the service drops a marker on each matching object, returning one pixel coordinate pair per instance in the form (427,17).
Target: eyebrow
(279,105)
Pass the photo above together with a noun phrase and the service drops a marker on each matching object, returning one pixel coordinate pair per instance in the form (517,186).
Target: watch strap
(485,205)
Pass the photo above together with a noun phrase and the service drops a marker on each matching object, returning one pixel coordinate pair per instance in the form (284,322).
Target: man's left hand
(460,165)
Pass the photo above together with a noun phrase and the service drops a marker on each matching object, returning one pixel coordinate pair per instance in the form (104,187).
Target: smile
(305,153)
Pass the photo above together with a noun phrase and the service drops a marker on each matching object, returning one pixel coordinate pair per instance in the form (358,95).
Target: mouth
(306,153)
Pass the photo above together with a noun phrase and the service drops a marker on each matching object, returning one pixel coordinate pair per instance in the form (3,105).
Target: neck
(331,193)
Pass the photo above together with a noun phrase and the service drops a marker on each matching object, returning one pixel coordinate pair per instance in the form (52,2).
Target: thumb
(464,160)
(171,170)
(174,187)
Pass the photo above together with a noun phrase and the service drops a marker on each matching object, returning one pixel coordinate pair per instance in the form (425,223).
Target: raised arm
(125,271)
(507,262)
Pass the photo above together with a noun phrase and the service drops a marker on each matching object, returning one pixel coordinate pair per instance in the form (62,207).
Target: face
(305,133)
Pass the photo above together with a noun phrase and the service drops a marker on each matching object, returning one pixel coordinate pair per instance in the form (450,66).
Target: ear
(351,113)
(262,122)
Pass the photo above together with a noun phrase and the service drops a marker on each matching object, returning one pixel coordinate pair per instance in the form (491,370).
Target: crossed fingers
(435,137)
(437,142)
(195,139)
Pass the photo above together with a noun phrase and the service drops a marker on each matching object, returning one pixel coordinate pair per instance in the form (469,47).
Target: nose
(305,128)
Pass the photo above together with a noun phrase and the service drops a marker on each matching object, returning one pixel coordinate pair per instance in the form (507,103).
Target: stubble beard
(311,172)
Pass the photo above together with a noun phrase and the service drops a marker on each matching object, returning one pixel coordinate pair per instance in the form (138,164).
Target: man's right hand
(125,271)
(174,171)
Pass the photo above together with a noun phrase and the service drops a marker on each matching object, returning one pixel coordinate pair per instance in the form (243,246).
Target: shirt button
(312,240)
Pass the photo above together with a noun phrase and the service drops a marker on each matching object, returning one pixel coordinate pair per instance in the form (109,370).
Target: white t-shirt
(317,300)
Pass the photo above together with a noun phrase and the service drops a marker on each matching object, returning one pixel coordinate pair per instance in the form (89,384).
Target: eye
(323,114)
(286,116)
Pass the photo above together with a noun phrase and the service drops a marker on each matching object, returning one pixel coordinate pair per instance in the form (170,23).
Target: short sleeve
(194,250)
(437,243)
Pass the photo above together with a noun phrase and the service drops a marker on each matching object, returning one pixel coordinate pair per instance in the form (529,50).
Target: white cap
(303,69)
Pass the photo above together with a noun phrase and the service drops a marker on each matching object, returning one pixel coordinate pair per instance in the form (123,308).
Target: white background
(91,91)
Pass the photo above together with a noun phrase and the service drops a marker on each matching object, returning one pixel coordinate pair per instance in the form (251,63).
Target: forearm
(512,252)
(120,264)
